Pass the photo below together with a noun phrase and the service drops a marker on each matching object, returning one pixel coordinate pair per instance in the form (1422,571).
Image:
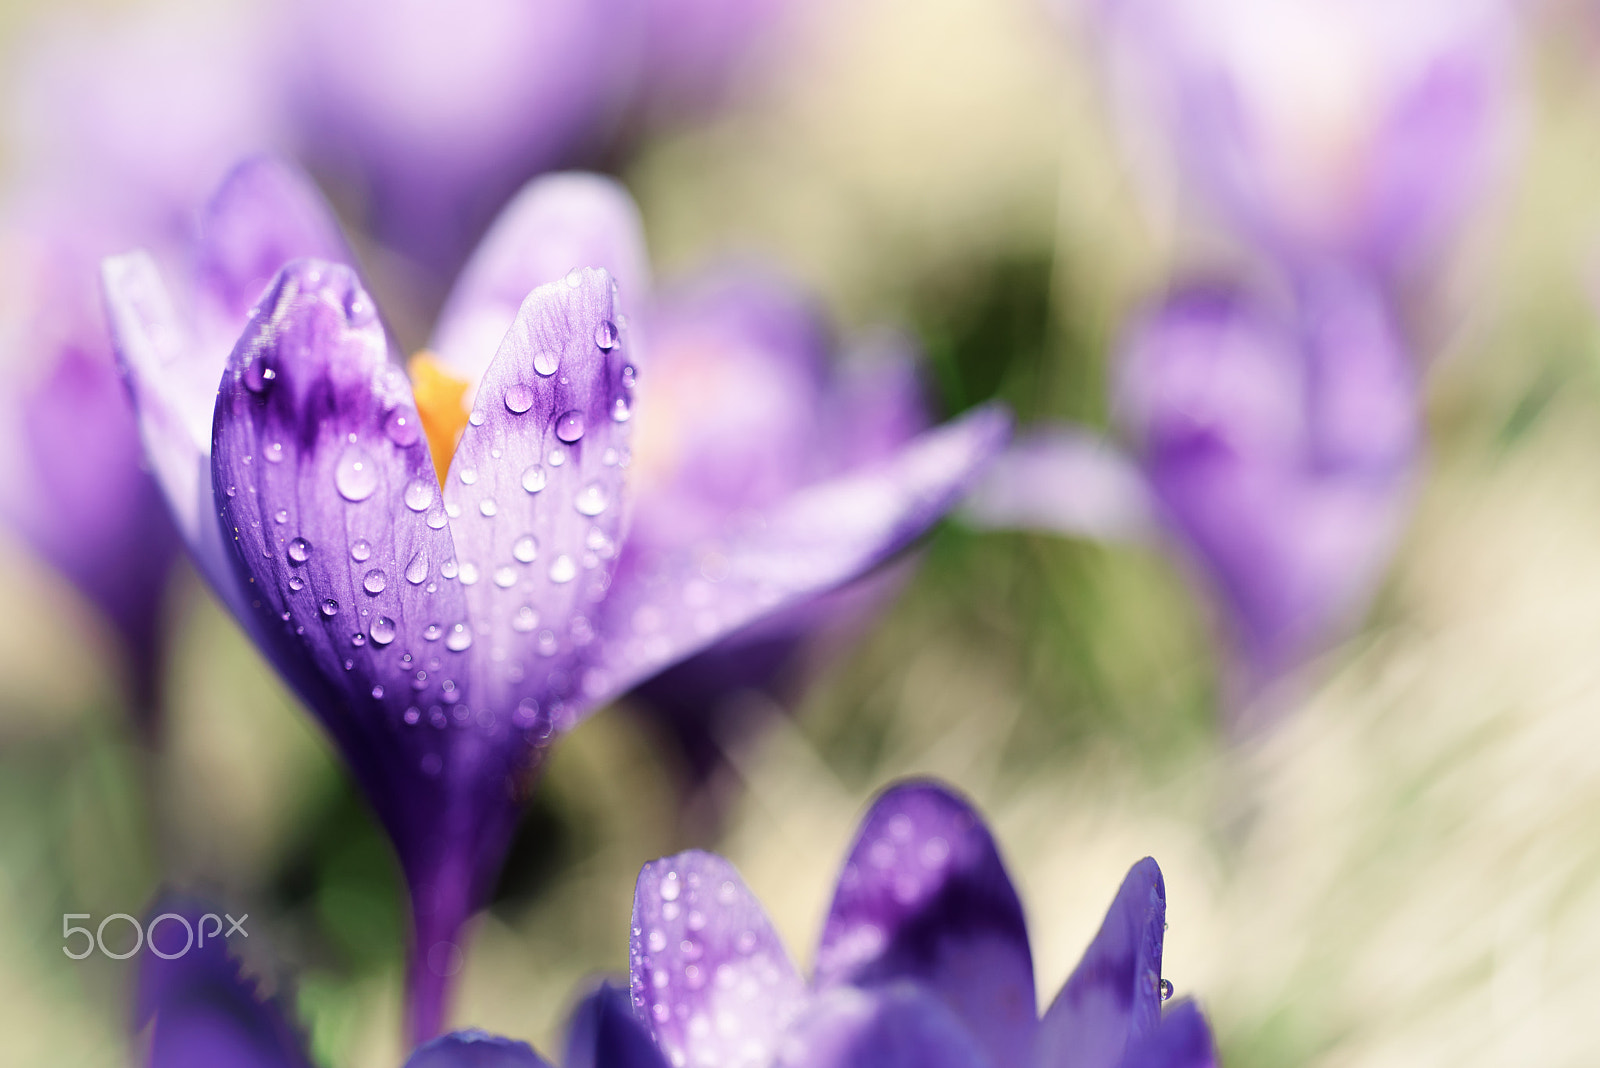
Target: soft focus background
(1403,869)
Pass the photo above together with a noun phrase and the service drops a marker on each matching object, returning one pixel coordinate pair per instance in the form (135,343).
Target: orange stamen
(439,394)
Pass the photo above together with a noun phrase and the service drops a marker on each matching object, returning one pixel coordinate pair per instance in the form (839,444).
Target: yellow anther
(438,392)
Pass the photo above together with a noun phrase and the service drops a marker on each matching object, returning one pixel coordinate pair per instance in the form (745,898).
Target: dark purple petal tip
(709,975)
(1183,1040)
(604,1033)
(925,897)
(475,1049)
(1113,997)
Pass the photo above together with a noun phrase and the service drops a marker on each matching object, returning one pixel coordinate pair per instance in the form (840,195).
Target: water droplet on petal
(525,619)
(546,362)
(330,608)
(449,569)
(274,453)
(299,551)
(402,427)
(259,373)
(519,398)
(563,570)
(355,475)
(670,888)
(417,569)
(382,630)
(360,550)
(460,638)
(359,309)
(556,458)
(432,632)
(605,335)
(375,581)
(468,475)
(525,550)
(469,574)
(296,583)
(437,517)
(377,693)
(358,639)
(630,376)
(1166,989)
(534,479)
(281,515)
(591,501)
(505,576)
(413,715)
(569,427)
(621,410)
(575,278)
(476,417)
(419,494)
(488,507)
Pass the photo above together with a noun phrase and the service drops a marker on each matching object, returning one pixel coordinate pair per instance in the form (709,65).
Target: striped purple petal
(1113,998)
(537,493)
(925,898)
(708,973)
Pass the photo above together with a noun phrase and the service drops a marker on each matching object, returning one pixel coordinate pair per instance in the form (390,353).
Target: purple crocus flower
(924,960)
(1358,130)
(1278,451)
(749,408)
(444,635)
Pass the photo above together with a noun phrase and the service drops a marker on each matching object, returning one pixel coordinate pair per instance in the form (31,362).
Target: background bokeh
(1404,869)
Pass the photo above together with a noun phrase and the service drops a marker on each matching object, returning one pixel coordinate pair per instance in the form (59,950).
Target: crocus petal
(201,1008)
(1113,997)
(326,486)
(924,897)
(537,493)
(666,604)
(1067,480)
(475,1049)
(604,1033)
(557,223)
(265,213)
(898,1026)
(1181,1041)
(708,973)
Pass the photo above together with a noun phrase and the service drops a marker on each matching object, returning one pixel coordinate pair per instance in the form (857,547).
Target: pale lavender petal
(877,400)
(327,489)
(604,1033)
(558,223)
(1113,997)
(475,1049)
(668,604)
(1067,480)
(925,898)
(897,1026)
(200,1007)
(695,48)
(708,973)
(537,493)
(1181,1041)
(265,213)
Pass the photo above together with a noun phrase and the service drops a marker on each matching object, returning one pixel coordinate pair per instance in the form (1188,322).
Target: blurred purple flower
(924,961)
(111,147)
(692,48)
(444,639)
(1280,454)
(1358,130)
(747,408)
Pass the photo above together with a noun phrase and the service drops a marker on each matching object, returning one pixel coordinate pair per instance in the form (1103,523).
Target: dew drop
(449,569)
(525,550)
(419,494)
(299,551)
(412,715)
(525,619)
(621,410)
(296,583)
(468,475)
(432,632)
(505,576)
(476,417)
(274,453)
(358,639)
(519,398)
(402,427)
(591,501)
(569,427)
(377,693)
(546,362)
(1166,989)
(563,570)
(355,476)
(281,515)
(630,376)
(469,574)
(375,581)
(605,335)
(437,517)
(330,608)
(575,278)
(382,630)
(670,888)
(488,508)
(360,550)
(259,373)
(417,569)
(534,479)
(556,458)
(460,637)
